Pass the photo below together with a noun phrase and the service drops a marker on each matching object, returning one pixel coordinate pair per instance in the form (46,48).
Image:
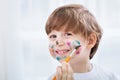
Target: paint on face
(60,58)
(76,44)
(57,42)
(68,43)
(51,46)
(51,50)
(71,44)
(79,50)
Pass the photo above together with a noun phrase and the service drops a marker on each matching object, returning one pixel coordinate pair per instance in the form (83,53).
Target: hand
(64,72)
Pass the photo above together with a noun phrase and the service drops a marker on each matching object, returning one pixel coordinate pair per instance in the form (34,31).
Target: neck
(82,67)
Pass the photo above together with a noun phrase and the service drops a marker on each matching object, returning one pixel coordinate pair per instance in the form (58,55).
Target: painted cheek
(51,49)
(76,44)
(78,50)
(51,52)
(73,44)
(68,43)
(51,46)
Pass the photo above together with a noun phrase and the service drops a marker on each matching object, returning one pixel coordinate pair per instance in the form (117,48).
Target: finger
(59,73)
(70,73)
(64,71)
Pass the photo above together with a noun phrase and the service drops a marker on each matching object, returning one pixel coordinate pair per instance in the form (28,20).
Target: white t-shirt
(97,73)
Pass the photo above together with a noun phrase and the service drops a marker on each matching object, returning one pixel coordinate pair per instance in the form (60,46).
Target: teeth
(62,52)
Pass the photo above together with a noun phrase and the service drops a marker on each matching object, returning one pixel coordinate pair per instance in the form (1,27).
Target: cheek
(51,49)
(68,43)
(78,51)
(73,43)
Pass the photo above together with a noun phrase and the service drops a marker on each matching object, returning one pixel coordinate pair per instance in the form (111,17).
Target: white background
(24,51)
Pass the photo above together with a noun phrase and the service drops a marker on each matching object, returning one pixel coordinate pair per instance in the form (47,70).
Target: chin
(61,61)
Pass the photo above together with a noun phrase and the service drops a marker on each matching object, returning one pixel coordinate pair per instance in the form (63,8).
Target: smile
(62,52)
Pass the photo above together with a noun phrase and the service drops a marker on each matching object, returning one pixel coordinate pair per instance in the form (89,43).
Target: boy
(71,23)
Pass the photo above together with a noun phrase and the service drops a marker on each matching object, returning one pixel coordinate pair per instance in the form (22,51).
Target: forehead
(62,29)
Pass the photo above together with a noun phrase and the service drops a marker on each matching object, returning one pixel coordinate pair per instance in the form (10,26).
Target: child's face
(61,45)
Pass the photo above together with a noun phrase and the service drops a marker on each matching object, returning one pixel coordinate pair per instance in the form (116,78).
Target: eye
(52,36)
(68,34)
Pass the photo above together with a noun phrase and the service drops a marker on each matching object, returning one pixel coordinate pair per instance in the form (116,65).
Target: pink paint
(68,43)
(79,50)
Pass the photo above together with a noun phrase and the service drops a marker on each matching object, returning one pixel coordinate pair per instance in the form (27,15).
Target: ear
(92,40)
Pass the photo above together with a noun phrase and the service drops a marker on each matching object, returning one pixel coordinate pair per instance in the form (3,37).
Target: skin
(80,62)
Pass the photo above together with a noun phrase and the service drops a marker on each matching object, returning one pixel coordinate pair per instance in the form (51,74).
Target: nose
(59,42)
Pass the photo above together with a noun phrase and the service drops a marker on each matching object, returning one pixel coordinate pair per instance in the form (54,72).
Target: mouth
(62,52)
